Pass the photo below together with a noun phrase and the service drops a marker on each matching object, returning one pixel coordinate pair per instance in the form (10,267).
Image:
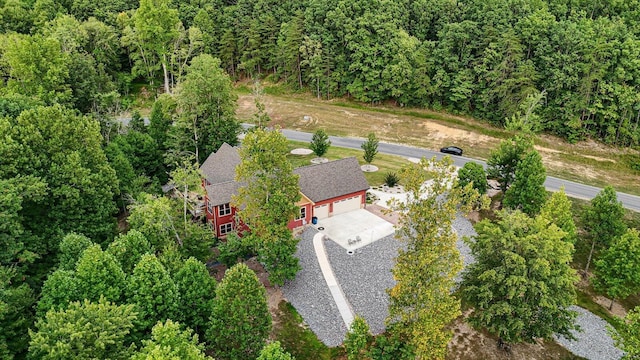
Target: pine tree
(240,322)
(320,143)
(153,292)
(197,291)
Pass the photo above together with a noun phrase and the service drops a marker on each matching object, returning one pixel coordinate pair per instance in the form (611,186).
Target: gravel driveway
(364,278)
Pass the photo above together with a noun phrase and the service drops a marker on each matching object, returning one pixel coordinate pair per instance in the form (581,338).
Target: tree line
(481,58)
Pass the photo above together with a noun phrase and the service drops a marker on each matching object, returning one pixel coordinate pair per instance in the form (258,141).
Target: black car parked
(453,150)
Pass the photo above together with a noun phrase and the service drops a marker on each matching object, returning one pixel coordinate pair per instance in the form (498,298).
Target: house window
(226,228)
(224,209)
(302,214)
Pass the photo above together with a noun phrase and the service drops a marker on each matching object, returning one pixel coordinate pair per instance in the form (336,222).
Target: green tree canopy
(197,289)
(603,219)
(422,305)
(370,148)
(240,322)
(206,107)
(527,192)
(557,210)
(60,288)
(128,249)
(473,173)
(618,267)
(71,248)
(153,292)
(84,331)
(357,338)
(16,313)
(274,351)
(99,274)
(521,284)
(504,160)
(169,341)
(320,143)
(627,334)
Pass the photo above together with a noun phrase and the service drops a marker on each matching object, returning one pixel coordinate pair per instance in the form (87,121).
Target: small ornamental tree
(84,331)
(473,173)
(170,341)
(320,143)
(618,268)
(276,251)
(557,210)
(603,220)
(627,334)
(99,274)
(197,291)
(527,192)
(71,248)
(503,161)
(153,292)
(370,148)
(240,321)
(522,284)
(274,351)
(357,338)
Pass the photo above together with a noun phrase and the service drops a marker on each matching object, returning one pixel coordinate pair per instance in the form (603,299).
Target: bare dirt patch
(468,343)
(441,132)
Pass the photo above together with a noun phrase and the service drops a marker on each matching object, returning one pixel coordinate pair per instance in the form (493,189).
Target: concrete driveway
(355,229)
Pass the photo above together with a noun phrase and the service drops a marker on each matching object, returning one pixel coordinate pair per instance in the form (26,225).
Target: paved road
(572,189)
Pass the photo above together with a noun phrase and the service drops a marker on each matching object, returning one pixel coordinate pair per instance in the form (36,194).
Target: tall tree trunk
(593,246)
(167,88)
(186,196)
(611,305)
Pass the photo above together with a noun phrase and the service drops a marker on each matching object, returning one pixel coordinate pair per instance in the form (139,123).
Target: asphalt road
(572,189)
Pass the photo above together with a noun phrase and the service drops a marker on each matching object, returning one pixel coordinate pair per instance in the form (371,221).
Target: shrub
(391,179)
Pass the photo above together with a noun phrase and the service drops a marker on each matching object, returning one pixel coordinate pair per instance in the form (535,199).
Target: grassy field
(586,162)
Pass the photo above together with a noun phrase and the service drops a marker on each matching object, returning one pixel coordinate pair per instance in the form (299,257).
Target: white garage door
(349,204)
(321,212)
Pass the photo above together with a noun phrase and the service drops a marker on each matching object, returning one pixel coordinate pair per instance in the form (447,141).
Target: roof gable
(220,166)
(331,179)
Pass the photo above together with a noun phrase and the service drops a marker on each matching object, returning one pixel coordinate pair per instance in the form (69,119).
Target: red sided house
(326,189)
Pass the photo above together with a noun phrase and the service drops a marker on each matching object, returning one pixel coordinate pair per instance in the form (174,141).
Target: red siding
(307,219)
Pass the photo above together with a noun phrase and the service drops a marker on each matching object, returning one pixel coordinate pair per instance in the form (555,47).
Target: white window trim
(300,214)
(223,228)
(224,209)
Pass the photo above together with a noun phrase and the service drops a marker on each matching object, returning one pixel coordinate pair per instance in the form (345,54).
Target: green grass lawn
(385,163)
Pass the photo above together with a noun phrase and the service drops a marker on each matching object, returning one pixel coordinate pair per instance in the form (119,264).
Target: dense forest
(68,168)
(477,57)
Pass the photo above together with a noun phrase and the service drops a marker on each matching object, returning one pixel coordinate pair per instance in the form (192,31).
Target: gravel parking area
(593,342)
(309,294)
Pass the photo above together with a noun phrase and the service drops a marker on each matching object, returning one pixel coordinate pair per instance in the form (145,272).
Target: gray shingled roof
(331,179)
(221,166)
(221,193)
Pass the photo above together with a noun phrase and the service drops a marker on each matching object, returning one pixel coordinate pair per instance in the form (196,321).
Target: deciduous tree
(504,160)
(71,248)
(422,305)
(99,274)
(170,341)
(128,249)
(627,334)
(557,210)
(603,219)
(357,339)
(240,322)
(521,284)
(85,330)
(618,267)
(527,192)
(473,173)
(274,351)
